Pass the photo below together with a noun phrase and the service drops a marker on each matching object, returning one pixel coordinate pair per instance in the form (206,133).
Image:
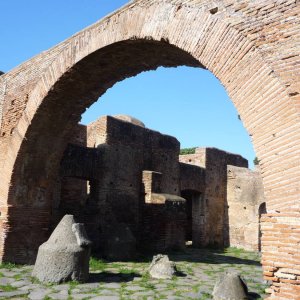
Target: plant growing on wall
(187,151)
(256,161)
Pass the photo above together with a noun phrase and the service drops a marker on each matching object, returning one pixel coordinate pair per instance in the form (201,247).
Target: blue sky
(188,103)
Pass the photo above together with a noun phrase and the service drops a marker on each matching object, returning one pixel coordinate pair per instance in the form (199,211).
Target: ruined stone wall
(81,162)
(158,152)
(79,174)
(214,203)
(192,185)
(2,95)
(216,194)
(196,159)
(163,219)
(97,133)
(2,92)
(163,224)
(78,135)
(245,195)
(75,168)
(127,151)
(114,162)
(151,183)
(192,177)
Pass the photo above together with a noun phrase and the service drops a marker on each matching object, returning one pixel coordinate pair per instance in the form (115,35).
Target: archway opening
(37,164)
(38,161)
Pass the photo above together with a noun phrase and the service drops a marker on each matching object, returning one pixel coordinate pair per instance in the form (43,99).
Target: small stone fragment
(230,286)
(80,234)
(161,267)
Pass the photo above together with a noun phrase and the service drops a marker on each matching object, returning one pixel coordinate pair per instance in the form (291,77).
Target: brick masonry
(251,46)
(246,204)
(130,177)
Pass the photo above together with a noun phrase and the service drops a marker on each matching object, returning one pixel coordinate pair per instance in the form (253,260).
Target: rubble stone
(230,286)
(162,268)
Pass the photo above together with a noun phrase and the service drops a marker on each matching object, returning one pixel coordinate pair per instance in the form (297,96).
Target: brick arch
(245,59)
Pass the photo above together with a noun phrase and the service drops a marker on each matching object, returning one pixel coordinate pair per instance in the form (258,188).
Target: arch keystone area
(251,46)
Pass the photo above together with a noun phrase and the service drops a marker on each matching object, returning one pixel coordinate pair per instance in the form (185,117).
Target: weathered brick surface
(251,46)
(246,203)
(122,189)
(163,226)
(192,177)
(281,254)
(192,186)
(215,223)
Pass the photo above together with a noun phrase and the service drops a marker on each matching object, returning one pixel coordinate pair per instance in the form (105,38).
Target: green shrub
(256,161)
(187,151)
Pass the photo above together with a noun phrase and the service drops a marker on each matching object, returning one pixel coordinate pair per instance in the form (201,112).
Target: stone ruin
(65,256)
(41,99)
(134,193)
(230,286)
(161,267)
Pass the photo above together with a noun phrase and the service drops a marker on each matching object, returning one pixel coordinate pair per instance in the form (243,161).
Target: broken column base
(65,256)
(56,266)
(230,286)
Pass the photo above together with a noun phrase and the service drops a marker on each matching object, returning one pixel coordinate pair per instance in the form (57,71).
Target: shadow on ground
(108,277)
(213,258)
(210,256)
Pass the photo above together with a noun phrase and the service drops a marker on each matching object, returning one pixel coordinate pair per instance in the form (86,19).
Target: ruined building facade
(233,199)
(129,186)
(252,47)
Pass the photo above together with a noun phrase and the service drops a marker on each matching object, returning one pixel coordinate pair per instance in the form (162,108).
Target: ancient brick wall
(192,177)
(214,203)
(280,244)
(114,167)
(127,151)
(245,195)
(163,225)
(46,96)
(71,187)
(151,183)
(2,93)
(163,221)
(97,133)
(216,194)
(81,162)
(192,185)
(197,159)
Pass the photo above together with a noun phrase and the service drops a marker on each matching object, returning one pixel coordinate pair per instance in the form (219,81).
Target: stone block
(65,256)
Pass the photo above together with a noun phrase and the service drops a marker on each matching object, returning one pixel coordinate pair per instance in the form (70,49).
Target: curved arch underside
(253,48)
